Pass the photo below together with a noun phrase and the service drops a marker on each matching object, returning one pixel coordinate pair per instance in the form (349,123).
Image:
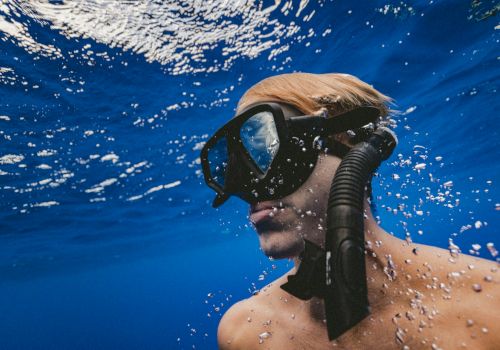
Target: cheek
(317,196)
(313,195)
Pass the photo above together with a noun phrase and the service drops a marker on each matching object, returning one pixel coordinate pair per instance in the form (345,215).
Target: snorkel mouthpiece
(338,273)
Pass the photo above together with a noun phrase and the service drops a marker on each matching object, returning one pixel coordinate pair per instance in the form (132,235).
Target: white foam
(110,157)
(45,204)
(180,35)
(11,158)
(100,186)
(44,166)
(19,31)
(155,189)
(44,181)
(46,153)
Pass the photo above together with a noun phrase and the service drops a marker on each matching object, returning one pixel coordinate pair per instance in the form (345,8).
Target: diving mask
(265,153)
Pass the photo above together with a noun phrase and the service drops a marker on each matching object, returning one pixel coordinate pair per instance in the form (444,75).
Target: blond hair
(311,93)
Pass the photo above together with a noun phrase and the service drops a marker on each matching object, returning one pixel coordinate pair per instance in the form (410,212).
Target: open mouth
(259,215)
(264,210)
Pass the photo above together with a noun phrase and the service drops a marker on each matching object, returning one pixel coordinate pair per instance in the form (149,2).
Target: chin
(281,245)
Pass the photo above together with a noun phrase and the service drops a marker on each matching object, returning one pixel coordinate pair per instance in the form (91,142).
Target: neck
(383,256)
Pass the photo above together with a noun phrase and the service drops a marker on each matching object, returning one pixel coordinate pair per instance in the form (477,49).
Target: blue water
(107,236)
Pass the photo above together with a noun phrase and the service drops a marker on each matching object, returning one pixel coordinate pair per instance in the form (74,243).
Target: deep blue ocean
(107,236)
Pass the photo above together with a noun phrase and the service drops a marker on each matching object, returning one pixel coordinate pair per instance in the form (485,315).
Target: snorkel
(338,273)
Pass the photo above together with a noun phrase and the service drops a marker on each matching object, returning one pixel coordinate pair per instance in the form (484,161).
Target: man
(420,297)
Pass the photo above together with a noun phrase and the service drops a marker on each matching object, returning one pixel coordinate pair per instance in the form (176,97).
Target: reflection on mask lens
(218,159)
(260,138)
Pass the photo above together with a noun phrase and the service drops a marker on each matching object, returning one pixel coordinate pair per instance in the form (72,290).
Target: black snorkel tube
(338,273)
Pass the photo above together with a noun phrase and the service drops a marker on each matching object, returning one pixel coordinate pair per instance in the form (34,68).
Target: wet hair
(313,93)
(334,93)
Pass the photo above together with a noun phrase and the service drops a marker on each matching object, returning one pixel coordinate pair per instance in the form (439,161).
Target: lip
(260,215)
(262,210)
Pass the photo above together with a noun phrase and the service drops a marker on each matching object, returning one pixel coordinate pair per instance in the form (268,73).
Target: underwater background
(107,235)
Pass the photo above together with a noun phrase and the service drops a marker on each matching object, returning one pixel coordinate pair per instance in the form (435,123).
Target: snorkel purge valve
(338,274)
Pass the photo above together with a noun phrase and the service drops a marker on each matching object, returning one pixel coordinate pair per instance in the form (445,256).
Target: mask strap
(352,119)
(337,148)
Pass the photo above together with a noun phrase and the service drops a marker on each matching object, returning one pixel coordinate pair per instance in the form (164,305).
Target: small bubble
(477,287)
(400,335)
(491,248)
(470,323)
(410,316)
(484,330)
(263,336)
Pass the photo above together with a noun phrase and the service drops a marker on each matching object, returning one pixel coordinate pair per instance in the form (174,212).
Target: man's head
(283,224)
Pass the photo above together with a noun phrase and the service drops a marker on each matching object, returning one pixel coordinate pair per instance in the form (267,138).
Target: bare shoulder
(247,324)
(476,293)
(232,331)
(466,294)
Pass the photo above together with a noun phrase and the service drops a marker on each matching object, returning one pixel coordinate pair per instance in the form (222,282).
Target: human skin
(420,296)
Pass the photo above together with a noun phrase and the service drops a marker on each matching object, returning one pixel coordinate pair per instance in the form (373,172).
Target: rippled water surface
(107,236)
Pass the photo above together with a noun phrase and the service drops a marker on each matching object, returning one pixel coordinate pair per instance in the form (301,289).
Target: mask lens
(217,160)
(260,138)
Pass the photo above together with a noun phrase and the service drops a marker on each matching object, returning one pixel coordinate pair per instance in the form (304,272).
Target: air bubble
(263,336)
(491,248)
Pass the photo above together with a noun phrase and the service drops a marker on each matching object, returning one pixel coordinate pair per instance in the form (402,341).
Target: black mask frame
(295,158)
